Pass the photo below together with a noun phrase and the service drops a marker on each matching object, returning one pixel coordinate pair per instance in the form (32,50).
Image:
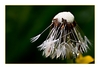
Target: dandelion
(64,39)
(84,59)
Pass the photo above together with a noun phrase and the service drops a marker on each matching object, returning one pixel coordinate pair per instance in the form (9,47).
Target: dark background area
(24,22)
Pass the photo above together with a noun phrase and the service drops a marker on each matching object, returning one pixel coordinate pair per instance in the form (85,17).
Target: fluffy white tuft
(65,15)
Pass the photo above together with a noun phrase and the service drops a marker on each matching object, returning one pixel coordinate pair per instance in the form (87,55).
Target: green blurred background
(24,22)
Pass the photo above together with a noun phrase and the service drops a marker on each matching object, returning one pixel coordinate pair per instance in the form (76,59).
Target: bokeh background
(24,22)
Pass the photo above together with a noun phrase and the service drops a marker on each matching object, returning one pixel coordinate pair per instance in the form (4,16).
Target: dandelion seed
(64,40)
(35,38)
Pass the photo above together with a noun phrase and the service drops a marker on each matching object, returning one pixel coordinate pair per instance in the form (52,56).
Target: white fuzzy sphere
(65,15)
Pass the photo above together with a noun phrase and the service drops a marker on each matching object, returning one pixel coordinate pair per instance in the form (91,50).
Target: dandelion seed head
(68,16)
(64,39)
